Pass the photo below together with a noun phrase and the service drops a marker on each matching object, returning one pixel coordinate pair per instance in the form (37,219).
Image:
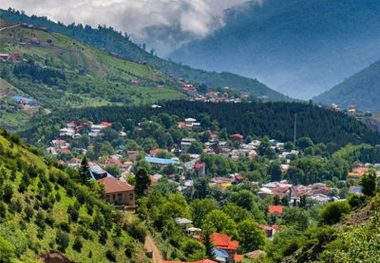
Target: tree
(200,208)
(218,221)
(193,250)
(77,244)
(332,212)
(84,171)
(304,142)
(275,171)
(297,217)
(196,148)
(368,183)
(7,193)
(201,188)
(62,239)
(250,235)
(142,182)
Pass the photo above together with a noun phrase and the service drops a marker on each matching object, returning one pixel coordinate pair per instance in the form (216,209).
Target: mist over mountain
(301,48)
(362,89)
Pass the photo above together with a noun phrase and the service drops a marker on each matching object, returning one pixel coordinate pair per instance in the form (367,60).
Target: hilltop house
(117,192)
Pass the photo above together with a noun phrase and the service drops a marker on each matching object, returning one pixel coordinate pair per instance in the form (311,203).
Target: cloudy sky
(162,24)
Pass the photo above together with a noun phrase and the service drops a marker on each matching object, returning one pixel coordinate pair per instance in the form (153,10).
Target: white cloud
(191,18)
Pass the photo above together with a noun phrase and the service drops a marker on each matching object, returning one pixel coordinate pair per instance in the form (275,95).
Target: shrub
(62,239)
(77,244)
(111,256)
(332,212)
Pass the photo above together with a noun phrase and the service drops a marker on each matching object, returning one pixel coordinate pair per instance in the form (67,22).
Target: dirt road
(151,246)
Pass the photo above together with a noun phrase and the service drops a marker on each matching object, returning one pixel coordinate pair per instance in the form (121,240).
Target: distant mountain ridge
(298,47)
(362,89)
(118,44)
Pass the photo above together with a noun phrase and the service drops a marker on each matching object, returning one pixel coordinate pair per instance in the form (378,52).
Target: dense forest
(275,120)
(118,44)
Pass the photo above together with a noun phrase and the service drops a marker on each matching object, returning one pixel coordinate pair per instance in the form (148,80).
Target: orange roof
(157,150)
(238,258)
(224,242)
(199,166)
(276,209)
(112,185)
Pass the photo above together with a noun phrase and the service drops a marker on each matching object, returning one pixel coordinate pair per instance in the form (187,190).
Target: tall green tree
(142,182)
(368,182)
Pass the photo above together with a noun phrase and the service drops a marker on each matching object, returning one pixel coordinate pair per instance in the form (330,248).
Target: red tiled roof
(199,166)
(224,242)
(276,209)
(106,123)
(112,185)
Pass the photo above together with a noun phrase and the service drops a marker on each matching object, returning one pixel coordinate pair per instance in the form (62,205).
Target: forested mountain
(275,120)
(299,47)
(361,89)
(43,209)
(117,43)
(58,72)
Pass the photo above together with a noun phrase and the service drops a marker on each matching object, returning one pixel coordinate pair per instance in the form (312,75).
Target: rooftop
(112,185)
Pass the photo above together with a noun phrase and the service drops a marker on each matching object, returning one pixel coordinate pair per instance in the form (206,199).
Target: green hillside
(355,239)
(112,41)
(362,90)
(43,209)
(59,72)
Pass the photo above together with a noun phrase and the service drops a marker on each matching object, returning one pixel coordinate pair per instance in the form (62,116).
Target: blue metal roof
(161,161)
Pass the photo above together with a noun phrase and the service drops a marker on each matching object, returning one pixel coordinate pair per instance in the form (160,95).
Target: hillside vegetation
(275,120)
(355,239)
(78,74)
(112,41)
(43,209)
(361,89)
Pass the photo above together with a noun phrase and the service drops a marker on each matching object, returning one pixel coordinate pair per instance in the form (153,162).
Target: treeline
(45,75)
(275,120)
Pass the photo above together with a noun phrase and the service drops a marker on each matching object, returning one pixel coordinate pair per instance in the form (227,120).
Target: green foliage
(250,235)
(368,183)
(333,212)
(142,182)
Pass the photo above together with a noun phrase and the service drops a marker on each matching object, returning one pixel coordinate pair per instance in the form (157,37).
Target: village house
(186,143)
(225,249)
(160,162)
(117,192)
(357,172)
(276,210)
(191,124)
(96,128)
(270,230)
(237,137)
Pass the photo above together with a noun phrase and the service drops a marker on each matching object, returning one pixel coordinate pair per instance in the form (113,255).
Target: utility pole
(295,129)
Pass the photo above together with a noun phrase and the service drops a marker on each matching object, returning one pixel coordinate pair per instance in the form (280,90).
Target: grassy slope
(116,43)
(22,233)
(355,239)
(362,89)
(107,79)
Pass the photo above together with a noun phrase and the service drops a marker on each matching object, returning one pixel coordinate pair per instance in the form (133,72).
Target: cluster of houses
(212,96)
(318,192)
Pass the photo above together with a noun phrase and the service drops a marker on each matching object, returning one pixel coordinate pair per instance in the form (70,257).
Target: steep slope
(112,41)
(42,209)
(298,47)
(361,89)
(355,239)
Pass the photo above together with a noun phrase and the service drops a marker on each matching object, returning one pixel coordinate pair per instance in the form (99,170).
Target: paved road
(151,246)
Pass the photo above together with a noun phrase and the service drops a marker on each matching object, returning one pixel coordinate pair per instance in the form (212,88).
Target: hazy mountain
(299,47)
(361,89)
